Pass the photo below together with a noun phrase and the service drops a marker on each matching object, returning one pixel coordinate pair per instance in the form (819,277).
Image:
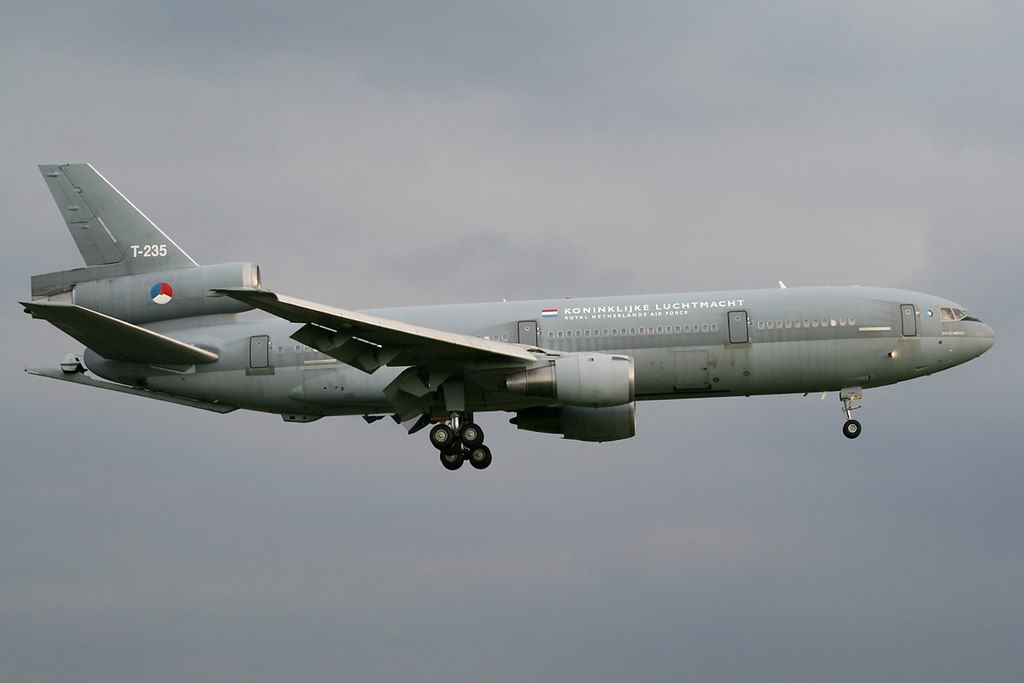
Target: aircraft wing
(368,342)
(115,339)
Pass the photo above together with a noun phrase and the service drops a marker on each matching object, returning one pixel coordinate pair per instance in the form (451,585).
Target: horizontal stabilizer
(115,339)
(79,378)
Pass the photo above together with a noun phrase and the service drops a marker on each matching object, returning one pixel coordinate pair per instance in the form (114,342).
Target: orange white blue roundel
(161,293)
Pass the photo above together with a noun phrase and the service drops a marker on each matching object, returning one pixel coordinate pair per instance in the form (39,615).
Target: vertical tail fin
(106,227)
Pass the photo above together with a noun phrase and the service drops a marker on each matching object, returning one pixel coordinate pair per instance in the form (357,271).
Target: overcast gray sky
(404,153)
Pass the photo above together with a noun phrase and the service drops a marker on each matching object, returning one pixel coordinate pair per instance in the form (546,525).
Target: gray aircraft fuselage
(159,325)
(690,345)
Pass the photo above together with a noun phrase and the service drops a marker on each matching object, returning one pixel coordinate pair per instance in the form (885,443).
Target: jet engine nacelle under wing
(585,379)
(610,423)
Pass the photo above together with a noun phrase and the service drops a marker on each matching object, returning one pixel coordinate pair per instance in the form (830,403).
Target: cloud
(392,154)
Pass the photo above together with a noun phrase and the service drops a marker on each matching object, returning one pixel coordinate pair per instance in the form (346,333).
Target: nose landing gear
(849,397)
(460,439)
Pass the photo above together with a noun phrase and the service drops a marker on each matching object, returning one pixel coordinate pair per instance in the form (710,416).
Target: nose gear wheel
(849,398)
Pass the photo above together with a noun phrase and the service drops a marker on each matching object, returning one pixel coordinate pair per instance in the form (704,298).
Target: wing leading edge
(367,342)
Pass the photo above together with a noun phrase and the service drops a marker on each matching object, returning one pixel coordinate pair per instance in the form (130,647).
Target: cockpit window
(948,314)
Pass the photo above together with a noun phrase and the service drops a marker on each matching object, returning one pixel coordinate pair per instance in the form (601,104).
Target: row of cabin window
(797,324)
(623,331)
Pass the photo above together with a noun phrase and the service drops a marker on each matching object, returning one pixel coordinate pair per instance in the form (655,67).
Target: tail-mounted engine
(149,297)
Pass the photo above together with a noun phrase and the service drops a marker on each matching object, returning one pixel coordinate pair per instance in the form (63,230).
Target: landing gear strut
(459,439)
(849,397)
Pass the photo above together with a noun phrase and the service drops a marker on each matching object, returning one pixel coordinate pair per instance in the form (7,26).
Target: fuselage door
(738,331)
(528,332)
(908,313)
(259,351)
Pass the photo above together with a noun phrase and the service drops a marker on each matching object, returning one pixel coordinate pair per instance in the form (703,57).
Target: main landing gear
(849,397)
(458,440)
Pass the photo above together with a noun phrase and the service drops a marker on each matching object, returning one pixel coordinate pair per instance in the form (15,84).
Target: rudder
(107,228)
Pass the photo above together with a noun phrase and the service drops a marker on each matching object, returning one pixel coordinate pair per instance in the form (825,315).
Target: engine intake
(586,379)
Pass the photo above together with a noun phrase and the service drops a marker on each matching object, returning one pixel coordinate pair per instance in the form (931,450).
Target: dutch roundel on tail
(156,324)
(161,293)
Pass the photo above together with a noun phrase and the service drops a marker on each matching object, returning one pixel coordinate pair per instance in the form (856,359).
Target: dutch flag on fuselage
(548,312)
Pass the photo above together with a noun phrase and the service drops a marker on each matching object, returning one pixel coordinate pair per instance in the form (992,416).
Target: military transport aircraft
(156,324)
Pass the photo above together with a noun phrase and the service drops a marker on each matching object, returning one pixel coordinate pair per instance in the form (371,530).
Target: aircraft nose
(989,336)
(983,337)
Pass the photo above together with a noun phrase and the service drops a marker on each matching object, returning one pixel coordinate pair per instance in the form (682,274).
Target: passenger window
(679,328)
(714,327)
(686,329)
(704,327)
(842,322)
(815,322)
(760,324)
(789,324)
(632,330)
(833,322)
(852,322)
(807,323)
